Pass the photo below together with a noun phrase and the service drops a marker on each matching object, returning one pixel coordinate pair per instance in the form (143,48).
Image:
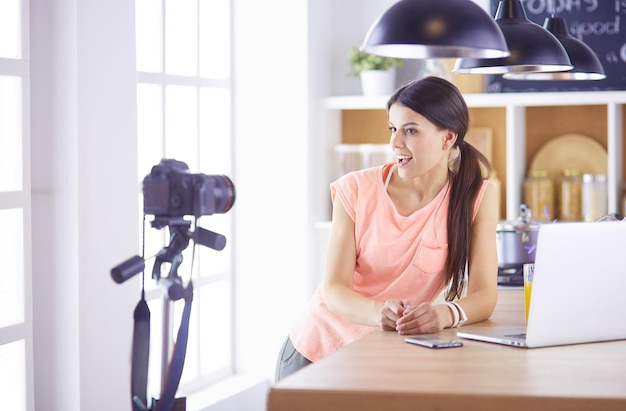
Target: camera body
(170,190)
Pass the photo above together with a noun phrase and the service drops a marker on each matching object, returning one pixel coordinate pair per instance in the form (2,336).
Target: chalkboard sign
(598,23)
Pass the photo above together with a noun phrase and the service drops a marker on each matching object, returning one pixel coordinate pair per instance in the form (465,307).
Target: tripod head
(180,235)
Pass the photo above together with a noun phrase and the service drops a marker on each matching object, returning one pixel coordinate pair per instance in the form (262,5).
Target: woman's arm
(482,288)
(340,265)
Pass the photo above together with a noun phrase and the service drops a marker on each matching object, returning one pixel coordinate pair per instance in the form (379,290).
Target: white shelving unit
(515,105)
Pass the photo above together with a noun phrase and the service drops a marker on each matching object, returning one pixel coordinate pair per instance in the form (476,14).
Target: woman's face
(419,146)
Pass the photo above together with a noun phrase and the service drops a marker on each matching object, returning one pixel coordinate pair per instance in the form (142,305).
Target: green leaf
(362,61)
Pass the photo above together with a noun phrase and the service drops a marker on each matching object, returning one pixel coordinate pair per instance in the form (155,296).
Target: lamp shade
(533,48)
(586,63)
(435,29)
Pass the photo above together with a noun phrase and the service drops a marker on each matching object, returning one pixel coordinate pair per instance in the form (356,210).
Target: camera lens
(223,193)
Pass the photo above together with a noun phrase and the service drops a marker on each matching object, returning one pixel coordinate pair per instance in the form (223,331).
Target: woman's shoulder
(371,175)
(366,182)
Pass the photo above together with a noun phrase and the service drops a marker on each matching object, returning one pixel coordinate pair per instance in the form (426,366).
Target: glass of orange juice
(529,272)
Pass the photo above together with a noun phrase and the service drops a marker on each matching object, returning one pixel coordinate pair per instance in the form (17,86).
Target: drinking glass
(529,272)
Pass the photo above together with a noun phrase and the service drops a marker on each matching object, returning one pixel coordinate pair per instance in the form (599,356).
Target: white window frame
(20,67)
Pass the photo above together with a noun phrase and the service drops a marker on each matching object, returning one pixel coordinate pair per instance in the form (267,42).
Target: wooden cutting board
(571,151)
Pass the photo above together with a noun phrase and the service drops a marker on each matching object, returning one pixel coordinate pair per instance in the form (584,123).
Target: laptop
(579,288)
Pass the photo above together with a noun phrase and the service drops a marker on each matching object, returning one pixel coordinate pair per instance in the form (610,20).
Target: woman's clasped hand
(407,319)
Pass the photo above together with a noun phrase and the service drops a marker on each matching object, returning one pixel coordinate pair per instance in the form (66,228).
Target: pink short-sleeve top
(398,257)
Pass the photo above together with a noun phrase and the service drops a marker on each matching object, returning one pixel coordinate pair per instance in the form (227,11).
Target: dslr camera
(170,191)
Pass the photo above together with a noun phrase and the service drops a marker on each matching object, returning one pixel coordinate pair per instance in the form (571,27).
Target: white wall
(84,201)
(350,20)
(271,214)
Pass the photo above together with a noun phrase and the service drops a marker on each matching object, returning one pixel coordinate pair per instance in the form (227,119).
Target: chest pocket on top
(431,258)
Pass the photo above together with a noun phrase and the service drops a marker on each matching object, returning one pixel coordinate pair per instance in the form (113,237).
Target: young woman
(405,232)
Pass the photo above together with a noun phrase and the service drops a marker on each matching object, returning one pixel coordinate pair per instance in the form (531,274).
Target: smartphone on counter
(433,341)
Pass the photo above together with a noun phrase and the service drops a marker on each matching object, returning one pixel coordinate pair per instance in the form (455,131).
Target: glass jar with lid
(594,196)
(539,194)
(570,204)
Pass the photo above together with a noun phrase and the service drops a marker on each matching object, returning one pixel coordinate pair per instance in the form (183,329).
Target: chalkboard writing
(598,23)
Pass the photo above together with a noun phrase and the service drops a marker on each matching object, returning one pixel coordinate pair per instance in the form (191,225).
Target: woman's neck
(410,195)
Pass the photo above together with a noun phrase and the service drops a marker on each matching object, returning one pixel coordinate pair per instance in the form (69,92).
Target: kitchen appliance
(516,243)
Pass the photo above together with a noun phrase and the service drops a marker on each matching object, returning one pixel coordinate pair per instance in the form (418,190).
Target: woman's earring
(454,159)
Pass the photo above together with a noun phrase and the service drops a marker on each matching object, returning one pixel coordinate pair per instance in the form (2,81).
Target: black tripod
(172,358)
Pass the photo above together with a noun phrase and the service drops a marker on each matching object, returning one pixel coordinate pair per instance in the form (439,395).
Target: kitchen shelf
(521,123)
(492,100)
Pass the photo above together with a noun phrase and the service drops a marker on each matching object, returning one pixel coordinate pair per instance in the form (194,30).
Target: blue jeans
(289,360)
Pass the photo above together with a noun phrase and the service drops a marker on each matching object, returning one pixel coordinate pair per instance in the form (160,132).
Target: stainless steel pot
(517,240)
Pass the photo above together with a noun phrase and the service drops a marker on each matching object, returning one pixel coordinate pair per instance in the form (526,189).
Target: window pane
(13,376)
(215,335)
(181,125)
(215,158)
(215,131)
(12,272)
(149,127)
(215,39)
(149,35)
(209,261)
(10,134)
(151,151)
(181,37)
(10,36)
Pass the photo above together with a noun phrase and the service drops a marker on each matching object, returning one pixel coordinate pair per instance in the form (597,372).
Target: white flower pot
(378,82)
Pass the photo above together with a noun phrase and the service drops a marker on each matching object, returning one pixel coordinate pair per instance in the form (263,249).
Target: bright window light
(148,29)
(12,376)
(214,51)
(10,43)
(10,133)
(149,126)
(181,124)
(12,272)
(181,37)
(215,318)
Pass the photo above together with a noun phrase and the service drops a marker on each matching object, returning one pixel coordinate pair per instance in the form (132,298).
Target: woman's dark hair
(443,105)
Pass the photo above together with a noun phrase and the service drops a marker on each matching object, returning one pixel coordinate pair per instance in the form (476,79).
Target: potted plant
(377,73)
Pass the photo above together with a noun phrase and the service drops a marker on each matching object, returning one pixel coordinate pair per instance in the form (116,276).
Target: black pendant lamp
(533,48)
(586,63)
(413,29)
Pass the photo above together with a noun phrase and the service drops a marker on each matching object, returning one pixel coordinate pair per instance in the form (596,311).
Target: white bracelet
(455,313)
(461,313)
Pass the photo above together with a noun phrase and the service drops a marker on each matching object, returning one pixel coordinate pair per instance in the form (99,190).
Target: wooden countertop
(382,372)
